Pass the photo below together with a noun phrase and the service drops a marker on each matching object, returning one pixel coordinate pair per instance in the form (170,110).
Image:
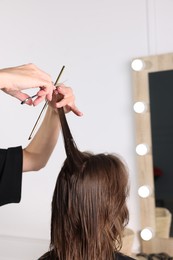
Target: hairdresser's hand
(14,80)
(63,97)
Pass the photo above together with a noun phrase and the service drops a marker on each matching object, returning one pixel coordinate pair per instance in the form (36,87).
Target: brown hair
(89,209)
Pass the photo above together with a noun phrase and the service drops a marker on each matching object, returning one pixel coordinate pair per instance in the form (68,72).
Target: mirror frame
(154,63)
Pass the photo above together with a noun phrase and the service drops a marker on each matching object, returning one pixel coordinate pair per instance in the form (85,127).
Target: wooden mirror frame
(140,78)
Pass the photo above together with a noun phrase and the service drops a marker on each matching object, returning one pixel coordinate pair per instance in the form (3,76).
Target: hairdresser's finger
(47,93)
(26,100)
(69,105)
(65,101)
(74,109)
(42,94)
(68,100)
(38,100)
(21,96)
(66,92)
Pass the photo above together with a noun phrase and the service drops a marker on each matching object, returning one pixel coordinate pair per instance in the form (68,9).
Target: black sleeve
(120,256)
(11,161)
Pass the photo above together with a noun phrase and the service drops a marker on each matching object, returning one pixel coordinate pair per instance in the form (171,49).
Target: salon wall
(96,40)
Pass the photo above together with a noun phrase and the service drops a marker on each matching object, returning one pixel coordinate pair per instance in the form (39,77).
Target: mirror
(161,108)
(153,106)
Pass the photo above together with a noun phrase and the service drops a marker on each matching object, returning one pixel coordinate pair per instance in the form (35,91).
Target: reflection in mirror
(153,107)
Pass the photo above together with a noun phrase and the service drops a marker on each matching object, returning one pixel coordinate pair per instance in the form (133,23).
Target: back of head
(89,209)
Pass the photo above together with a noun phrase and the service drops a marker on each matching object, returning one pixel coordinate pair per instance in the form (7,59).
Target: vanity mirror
(153,108)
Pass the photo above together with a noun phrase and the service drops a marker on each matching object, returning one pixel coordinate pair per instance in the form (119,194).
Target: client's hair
(89,209)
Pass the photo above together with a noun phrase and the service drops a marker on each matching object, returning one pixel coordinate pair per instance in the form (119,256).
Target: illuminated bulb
(144,191)
(137,64)
(146,234)
(142,149)
(139,107)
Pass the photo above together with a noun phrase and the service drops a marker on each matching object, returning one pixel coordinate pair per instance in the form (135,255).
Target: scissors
(45,105)
(28,98)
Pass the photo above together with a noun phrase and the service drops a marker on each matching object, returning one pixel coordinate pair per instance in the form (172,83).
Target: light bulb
(142,149)
(137,64)
(146,234)
(144,191)
(139,107)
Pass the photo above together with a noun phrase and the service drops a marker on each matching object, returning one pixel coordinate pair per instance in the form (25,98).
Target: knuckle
(32,65)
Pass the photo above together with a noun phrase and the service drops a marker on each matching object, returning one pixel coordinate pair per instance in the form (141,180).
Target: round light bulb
(144,191)
(142,149)
(146,234)
(139,107)
(137,64)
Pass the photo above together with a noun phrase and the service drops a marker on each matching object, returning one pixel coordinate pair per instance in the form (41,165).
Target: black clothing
(120,256)
(116,256)
(11,160)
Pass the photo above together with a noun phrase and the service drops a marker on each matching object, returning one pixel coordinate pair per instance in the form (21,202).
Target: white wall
(96,40)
